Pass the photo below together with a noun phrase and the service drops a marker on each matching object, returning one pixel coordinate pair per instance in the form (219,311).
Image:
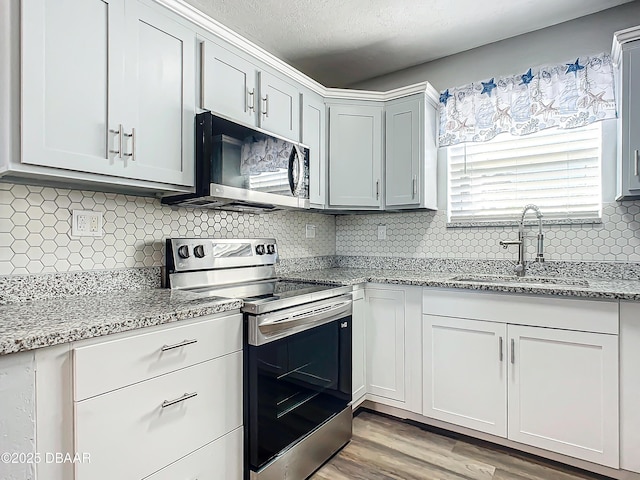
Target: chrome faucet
(520,267)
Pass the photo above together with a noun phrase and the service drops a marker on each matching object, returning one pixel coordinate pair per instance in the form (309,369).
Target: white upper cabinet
(73,83)
(112,94)
(629,114)
(314,135)
(228,84)
(279,106)
(355,156)
(161,74)
(410,153)
(235,88)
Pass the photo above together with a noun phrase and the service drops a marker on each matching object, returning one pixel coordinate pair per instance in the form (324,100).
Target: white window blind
(557,170)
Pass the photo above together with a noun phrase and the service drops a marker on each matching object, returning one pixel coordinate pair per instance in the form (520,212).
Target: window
(557,170)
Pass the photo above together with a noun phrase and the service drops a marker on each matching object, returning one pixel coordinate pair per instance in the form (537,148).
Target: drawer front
(110,365)
(221,459)
(599,316)
(129,434)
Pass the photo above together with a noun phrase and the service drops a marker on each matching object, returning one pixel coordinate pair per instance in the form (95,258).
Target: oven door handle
(273,326)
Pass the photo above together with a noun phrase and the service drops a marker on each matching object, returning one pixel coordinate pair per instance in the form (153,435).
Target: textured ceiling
(341,42)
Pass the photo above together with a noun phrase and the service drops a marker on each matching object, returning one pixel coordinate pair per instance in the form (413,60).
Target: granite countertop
(574,287)
(44,323)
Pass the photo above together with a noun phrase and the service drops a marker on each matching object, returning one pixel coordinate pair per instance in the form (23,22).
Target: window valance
(568,95)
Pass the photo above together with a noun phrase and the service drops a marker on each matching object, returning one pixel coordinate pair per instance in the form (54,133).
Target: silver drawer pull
(178,345)
(184,397)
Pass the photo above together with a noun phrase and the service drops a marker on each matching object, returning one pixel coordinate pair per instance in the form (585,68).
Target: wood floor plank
(514,464)
(383,448)
(424,446)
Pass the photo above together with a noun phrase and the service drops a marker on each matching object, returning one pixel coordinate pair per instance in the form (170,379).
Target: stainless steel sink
(502,279)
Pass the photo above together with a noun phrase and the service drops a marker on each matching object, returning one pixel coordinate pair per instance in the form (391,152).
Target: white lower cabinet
(174,411)
(358,329)
(393,346)
(221,459)
(551,388)
(465,373)
(563,392)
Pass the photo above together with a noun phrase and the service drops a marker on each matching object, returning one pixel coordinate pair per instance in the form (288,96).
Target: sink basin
(502,279)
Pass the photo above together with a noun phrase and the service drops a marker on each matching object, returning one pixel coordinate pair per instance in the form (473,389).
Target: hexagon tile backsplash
(35,230)
(35,233)
(424,235)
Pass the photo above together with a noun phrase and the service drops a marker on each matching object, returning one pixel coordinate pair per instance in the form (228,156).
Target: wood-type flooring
(383,448)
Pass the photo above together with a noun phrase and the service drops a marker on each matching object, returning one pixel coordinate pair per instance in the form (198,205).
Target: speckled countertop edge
(31,325)
(603,289)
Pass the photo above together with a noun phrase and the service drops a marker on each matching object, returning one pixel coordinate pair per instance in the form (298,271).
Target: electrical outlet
(382,232)
(310,231)
(85,223)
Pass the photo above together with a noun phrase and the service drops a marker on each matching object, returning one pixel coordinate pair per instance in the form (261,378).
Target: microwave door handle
(293,185)
(301,179)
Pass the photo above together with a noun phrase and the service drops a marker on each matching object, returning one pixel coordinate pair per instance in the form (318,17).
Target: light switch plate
(86,223)
(382,232)
(310,230)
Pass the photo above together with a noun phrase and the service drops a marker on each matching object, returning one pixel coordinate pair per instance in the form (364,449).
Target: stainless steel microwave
(245,169)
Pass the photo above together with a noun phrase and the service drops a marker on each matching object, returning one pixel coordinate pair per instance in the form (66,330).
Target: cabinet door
(314,136)
(72,83)
(228,84)
(279,107)
(385,346)
(465,373)
(404,139)
(355,156)
(563,392)
(631,122)
(161,73)
(358,378)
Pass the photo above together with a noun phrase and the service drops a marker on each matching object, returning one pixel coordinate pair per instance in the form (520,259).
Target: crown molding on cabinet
(347,94)
(620,38)
(205,21)
(197,17)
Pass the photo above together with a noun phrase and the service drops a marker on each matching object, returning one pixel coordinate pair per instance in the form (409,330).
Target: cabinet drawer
(130,434)
(217,460)
(599,316)
(110,365)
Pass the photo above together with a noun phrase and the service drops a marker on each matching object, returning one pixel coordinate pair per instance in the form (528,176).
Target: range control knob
(271,249)
(198,251)
(260,249)
(183,251)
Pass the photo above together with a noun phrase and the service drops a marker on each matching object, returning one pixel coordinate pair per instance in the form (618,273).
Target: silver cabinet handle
(184,397)
(132,136)
(636,160)
(414,187)
(178,345)
(250,95)
(377,189)
(513,351)
(265,112)
(501,350)
(119,133)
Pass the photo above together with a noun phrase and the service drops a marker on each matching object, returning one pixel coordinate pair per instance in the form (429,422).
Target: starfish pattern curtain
(569,95)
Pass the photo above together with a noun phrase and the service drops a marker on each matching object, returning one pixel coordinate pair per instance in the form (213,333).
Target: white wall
(556,44)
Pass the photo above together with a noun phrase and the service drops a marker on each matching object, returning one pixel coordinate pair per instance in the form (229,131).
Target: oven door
(294,384)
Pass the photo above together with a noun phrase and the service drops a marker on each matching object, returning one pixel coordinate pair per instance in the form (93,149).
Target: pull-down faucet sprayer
(520,267)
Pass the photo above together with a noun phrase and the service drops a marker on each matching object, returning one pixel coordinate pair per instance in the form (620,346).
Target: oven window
(295,384)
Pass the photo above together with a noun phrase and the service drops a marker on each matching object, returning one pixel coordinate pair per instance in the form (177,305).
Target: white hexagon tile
(425,235)
(35,230)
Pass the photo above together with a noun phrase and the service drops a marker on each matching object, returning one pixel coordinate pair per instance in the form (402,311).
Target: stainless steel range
(297,355)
